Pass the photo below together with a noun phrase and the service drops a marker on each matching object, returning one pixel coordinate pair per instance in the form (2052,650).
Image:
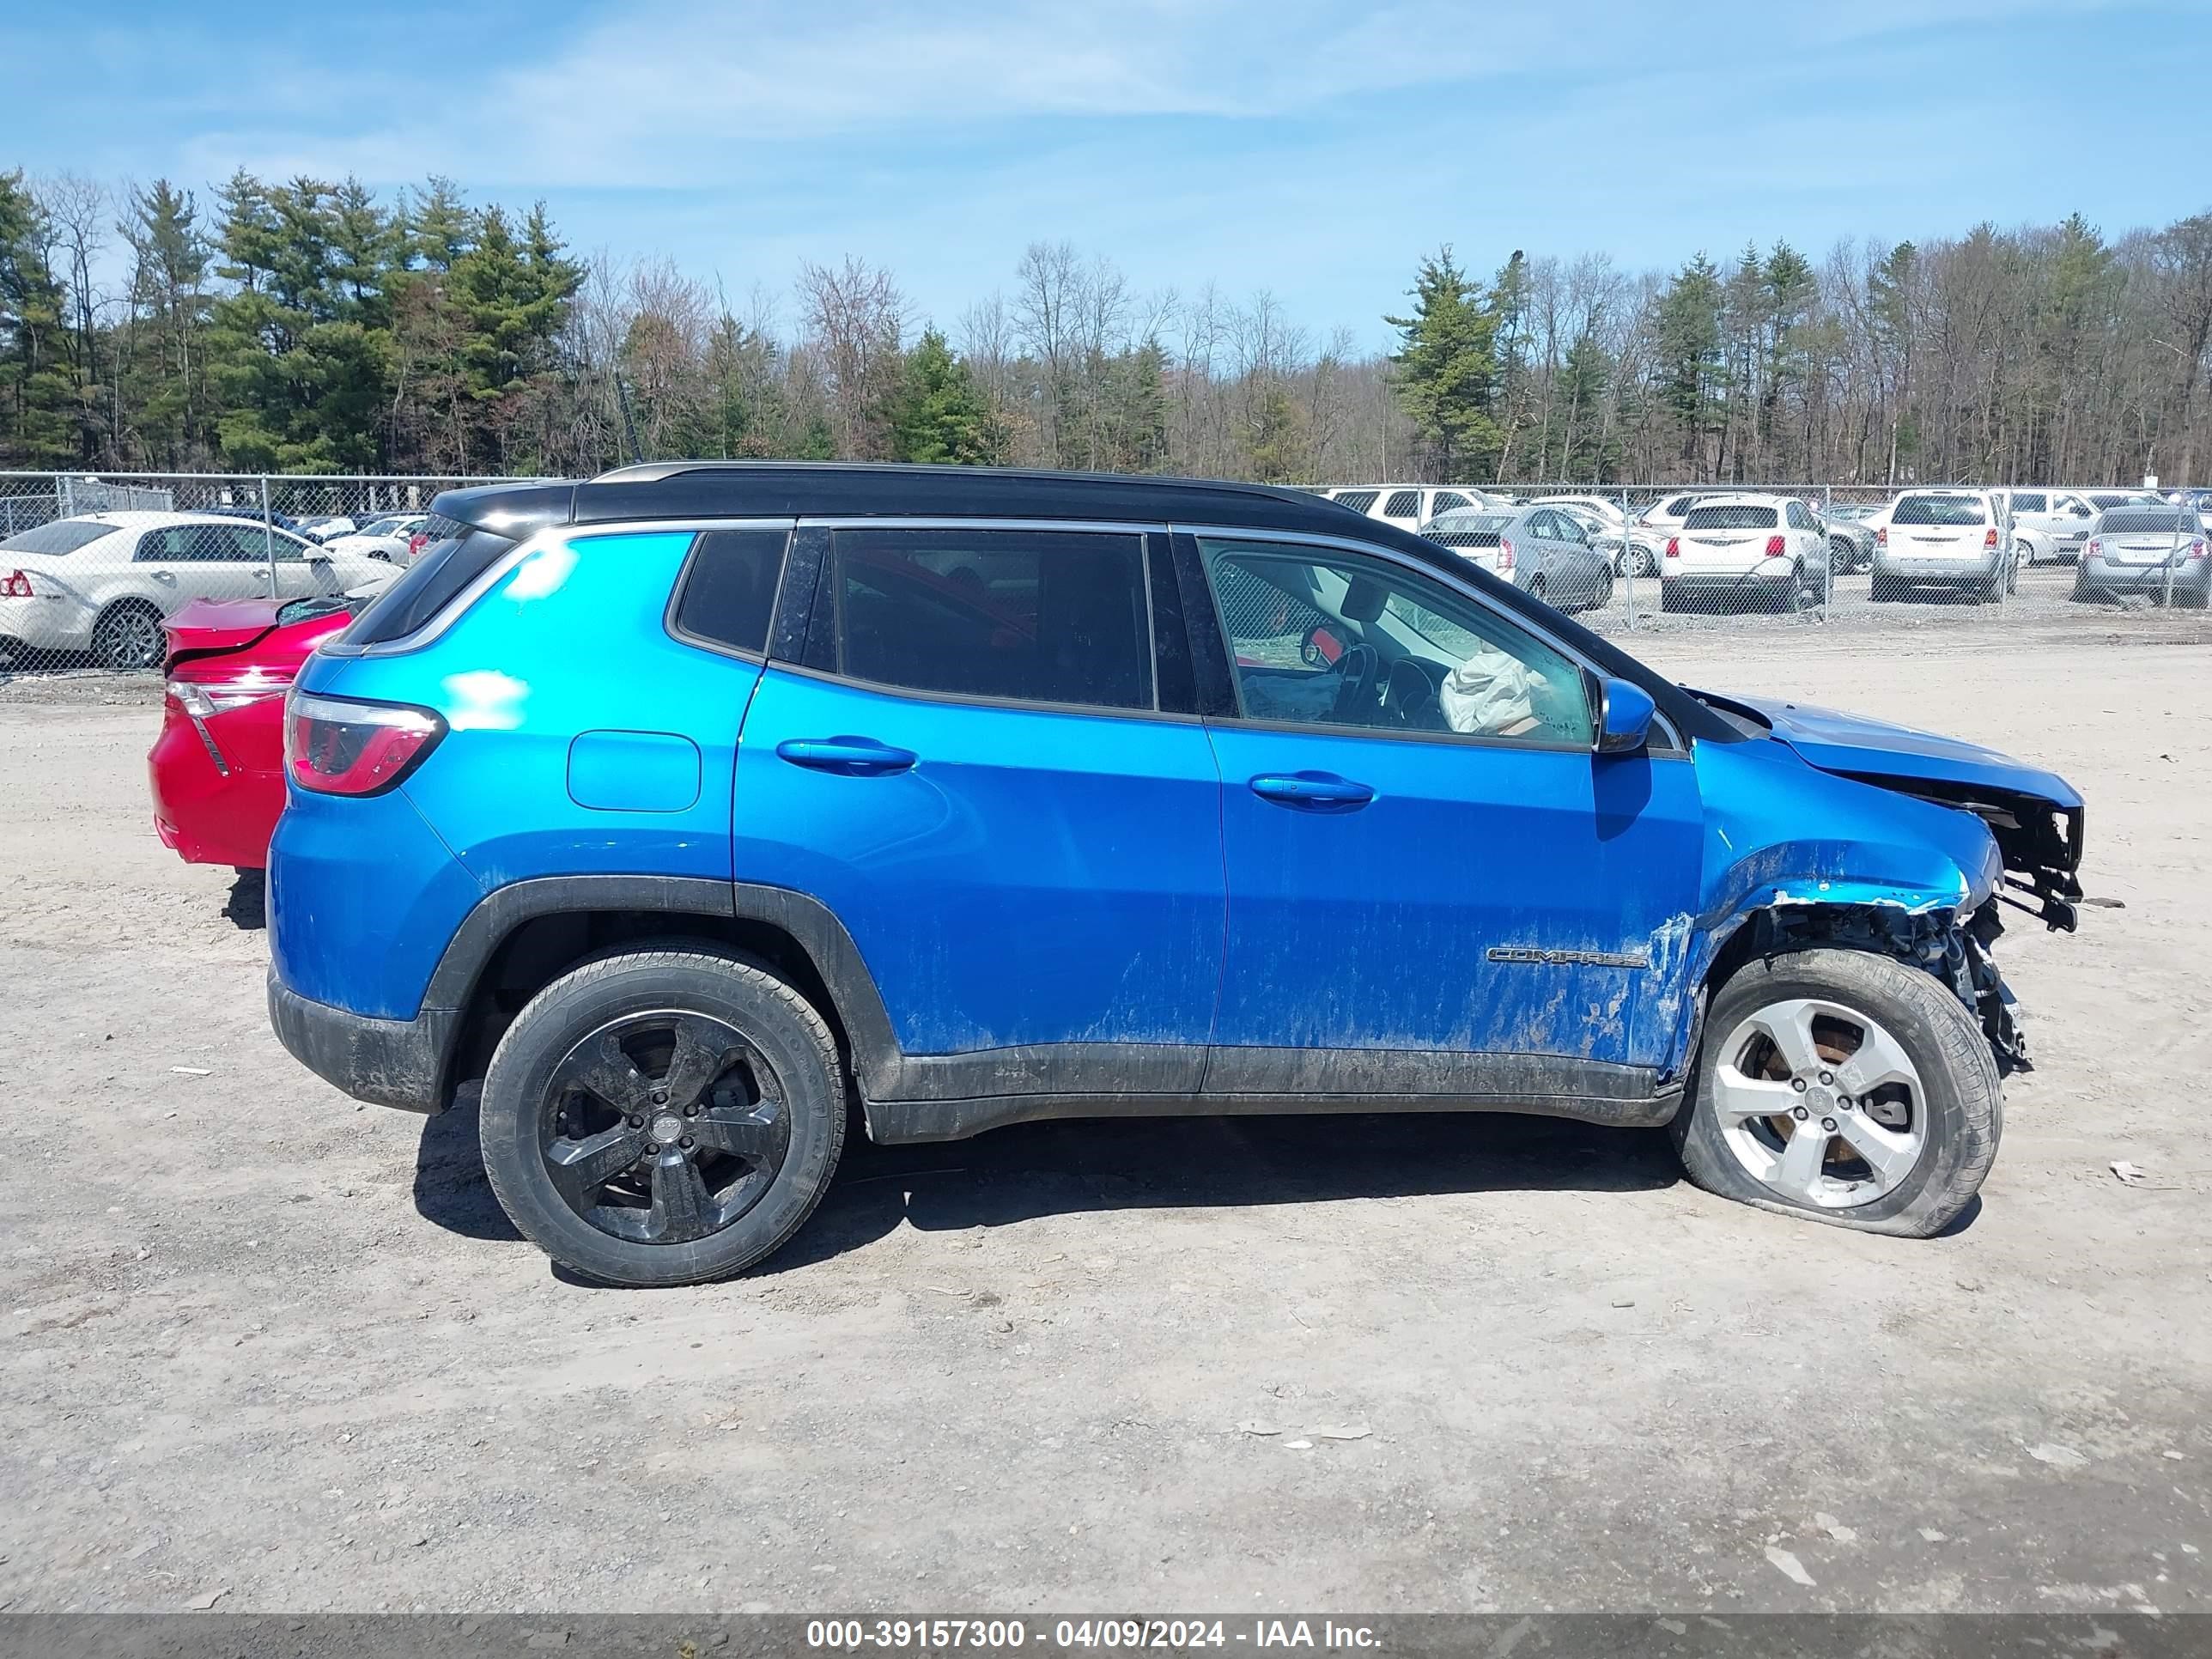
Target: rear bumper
(1773,576)
(208,817)
(1936,573)
(2191,576)
(387,1062)
(49,622)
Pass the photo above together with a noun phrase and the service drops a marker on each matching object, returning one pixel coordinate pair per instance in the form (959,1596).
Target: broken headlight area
(2039,841)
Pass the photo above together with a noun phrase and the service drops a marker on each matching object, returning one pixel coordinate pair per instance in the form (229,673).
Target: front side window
(1403,504)
(1447,500)
(1323,637)
(2028,502)
(1027,615)
(188,543)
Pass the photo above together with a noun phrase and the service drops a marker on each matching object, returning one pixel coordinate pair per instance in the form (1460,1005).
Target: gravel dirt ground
(265,1344)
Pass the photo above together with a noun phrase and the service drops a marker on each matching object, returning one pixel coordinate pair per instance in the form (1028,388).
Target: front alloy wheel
(1818,1101)
(1844,1085)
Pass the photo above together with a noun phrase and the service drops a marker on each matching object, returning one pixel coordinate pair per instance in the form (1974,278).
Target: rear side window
(729,587)
(1403,504)
(1447,500)
(1026,616)
(425,588)
(1940,510)
(66,536)
(1358,500)
(1730,518)
(2029,501)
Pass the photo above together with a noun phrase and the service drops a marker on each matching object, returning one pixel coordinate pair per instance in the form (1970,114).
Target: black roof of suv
(719,490)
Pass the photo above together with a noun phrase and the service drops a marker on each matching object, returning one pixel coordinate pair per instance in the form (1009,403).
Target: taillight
(1775,547)
(1882,535)
(416,543)
(2096,546)
(335,747)
(16,587)
(202,692)
(1504,554)
(2196,549)
(1674,546)
(1990,539)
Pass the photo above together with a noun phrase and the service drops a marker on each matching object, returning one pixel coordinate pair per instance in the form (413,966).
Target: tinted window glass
(1939,510)
(1358,500)
(2029,501)
(1327,638)
(1448,499)
(189,544)
(425,587)
(1402,504)
(66,536)
(729,588)
(1048,617)
(1730,518)
(2122,520)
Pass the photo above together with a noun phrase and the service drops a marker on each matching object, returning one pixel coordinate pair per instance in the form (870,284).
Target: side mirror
(1624,718)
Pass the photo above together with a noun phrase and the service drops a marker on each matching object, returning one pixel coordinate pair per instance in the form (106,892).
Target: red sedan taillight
(337,747)
(17,586)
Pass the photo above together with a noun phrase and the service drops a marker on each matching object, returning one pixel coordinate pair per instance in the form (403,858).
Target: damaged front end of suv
(2034,818)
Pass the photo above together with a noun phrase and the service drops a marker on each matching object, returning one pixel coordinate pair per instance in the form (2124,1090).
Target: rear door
(971,757)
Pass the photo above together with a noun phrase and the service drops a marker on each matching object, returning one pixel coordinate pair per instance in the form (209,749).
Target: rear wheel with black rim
(662,1116)
(1845,1086)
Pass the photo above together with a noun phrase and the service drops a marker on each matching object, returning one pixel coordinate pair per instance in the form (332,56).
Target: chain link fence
(1859,555)
(92,566)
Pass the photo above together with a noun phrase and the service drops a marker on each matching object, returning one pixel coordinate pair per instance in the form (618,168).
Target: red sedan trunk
(218,767)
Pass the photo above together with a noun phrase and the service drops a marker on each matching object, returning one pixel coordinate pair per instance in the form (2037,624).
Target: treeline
(311,327)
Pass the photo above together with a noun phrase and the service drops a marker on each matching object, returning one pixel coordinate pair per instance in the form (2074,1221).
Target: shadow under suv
(684,806)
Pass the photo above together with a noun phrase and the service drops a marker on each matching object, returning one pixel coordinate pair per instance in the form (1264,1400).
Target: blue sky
(1314,150)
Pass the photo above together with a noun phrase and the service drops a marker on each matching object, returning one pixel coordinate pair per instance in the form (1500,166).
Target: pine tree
(940,414)
(1447,369)
(35,390)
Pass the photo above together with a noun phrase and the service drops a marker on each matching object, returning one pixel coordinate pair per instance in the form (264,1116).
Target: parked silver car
(1543,551)
(2137,549)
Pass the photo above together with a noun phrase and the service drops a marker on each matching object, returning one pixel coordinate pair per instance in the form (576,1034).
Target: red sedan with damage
(218,767)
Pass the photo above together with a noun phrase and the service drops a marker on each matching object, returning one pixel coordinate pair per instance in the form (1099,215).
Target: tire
(1931,1169)
(128,637)
(1536,586)
(1601,593)
(535,1107)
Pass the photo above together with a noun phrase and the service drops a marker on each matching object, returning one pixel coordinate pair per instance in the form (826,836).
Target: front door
(1424,857)
(202,561)
(973,773)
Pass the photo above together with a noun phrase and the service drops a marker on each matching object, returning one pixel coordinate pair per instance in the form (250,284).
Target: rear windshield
(1730,518)
(425,587)
(64,536)
(1940,510)
(2122,520)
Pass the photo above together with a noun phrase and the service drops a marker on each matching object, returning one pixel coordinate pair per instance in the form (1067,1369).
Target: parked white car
(1411,505)
(391,539)
(1959,540)
(2050,525)
(1764,550)
(101,584)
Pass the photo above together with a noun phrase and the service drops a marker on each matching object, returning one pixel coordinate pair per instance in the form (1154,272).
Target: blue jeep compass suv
(687,807)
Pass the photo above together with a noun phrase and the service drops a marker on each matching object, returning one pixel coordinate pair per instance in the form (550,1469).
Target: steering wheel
(1357,669)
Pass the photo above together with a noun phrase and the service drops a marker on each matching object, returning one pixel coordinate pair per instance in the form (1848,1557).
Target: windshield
(1744,517)
(66,536)
(1940,510)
